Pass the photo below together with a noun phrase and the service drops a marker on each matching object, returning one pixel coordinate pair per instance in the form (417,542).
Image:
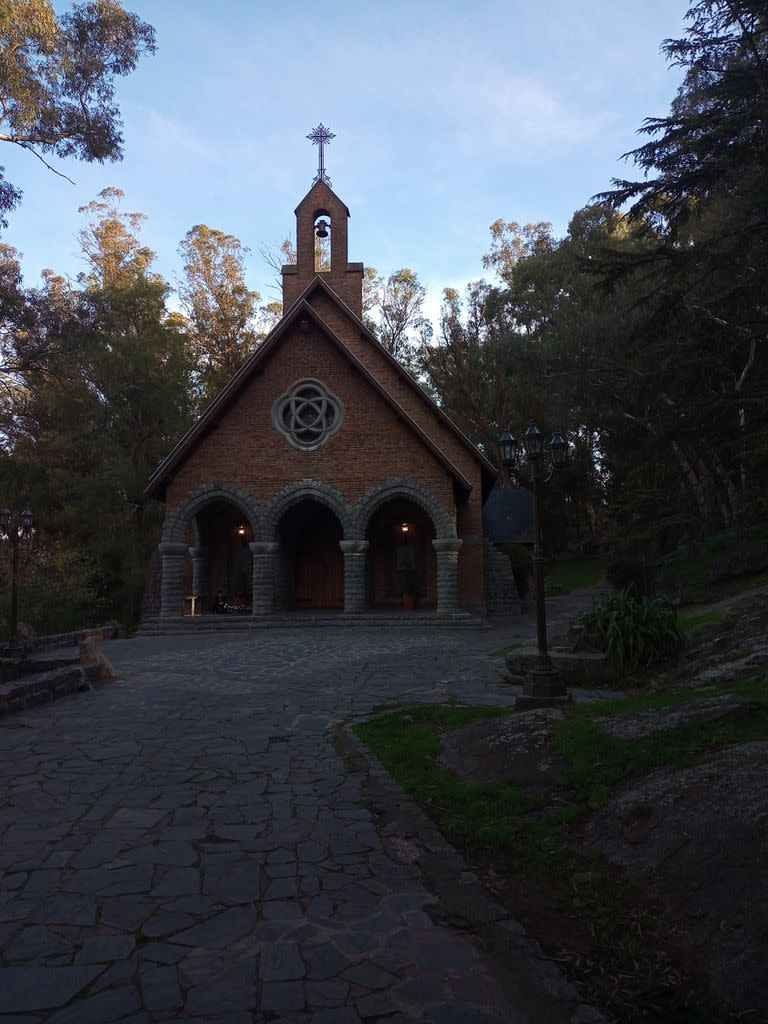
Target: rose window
(308,414)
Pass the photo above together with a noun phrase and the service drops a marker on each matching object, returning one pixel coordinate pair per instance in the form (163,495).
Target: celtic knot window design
(307,414)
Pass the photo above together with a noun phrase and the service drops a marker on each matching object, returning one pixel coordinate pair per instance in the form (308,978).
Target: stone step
(41,687)
(577,668)
(235,623)
(12,668)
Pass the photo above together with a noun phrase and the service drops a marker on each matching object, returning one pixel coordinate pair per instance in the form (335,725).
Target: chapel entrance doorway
(311,557)
(225,562)
(401,559)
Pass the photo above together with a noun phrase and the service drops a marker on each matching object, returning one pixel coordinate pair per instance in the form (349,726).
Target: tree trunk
(692,481)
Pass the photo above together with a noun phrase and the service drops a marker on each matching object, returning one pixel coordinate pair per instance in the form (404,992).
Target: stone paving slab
(188,844)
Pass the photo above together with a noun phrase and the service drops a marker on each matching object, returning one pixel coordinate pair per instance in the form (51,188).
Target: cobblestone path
(186,844)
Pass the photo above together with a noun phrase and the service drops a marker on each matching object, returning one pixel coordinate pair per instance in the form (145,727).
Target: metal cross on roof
(320,136)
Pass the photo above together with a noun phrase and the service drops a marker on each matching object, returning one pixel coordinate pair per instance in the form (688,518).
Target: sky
(448,115)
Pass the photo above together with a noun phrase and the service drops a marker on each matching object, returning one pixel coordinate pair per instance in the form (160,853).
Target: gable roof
(299,309)
(320,186)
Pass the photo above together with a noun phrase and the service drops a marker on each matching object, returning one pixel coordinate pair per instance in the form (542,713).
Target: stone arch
(176,524)
(401,487)
(303,490)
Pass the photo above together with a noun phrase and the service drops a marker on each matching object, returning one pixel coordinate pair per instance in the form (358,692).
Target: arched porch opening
(222,565)
(401,556)
(311,563)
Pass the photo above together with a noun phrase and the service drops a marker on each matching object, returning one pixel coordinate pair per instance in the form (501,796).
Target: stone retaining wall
(40,688)
(55,640)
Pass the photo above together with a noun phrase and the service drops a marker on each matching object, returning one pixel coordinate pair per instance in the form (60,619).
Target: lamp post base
(543,688)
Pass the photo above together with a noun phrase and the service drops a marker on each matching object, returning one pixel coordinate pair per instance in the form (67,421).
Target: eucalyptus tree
(225,320)
(57,80)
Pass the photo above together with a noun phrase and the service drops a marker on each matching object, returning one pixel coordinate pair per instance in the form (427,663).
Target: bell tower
(321,241)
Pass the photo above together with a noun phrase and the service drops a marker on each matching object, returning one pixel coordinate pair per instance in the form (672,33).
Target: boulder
(729,651)
(695,840)
(95,665)
(751,560)
(644,723)
(513,747)
(26,634)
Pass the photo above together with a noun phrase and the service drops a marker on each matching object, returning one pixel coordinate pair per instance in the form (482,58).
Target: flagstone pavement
(189,844)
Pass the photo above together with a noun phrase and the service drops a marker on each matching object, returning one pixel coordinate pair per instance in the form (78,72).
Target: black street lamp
(543,685)
(15,528)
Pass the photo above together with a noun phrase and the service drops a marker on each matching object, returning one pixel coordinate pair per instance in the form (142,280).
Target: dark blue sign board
(508,516)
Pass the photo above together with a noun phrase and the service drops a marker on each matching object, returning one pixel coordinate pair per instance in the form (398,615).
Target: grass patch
(520,837)
(635,702)
(507,650)
(567,574)
(598,762)
(479,816)
(689,622)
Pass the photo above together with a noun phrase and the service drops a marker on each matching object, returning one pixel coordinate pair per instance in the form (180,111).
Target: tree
(32,325)
(276,257)
(469,368)
(21,346)
(109,242)
(704,199)
(225,321)
(511,243)
(713,141)
(82,439)
(57,94)
(393,311)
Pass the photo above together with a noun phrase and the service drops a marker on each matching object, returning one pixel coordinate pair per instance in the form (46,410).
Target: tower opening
(322,241)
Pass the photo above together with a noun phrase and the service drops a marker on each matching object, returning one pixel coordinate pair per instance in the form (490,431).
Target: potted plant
(410,589)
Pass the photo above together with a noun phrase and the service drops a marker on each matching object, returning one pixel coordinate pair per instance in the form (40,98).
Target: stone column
(263,576)
(355,554)
(447,574)
(172,581)
(199,577)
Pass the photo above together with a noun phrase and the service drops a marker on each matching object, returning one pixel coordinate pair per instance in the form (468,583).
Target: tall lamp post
(15,528)
(543,685)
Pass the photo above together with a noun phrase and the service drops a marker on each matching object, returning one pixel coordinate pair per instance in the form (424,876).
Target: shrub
(522,566)
(634,633)
(59,590)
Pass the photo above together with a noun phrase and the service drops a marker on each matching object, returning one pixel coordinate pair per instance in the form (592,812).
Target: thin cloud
(177,140)
(517,115)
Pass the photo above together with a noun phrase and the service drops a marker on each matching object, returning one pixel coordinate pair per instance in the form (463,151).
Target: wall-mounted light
(405,527)
(241,530)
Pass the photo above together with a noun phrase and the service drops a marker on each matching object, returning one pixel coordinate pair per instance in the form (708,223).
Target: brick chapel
(322,476)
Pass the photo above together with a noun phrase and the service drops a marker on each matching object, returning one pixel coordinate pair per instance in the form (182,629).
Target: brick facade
(393,443)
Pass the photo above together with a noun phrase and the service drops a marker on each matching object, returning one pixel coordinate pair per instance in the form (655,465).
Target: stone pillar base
(447,550)
(355,556)
(543,688)
(263,600)
(199,578)
(172,580)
